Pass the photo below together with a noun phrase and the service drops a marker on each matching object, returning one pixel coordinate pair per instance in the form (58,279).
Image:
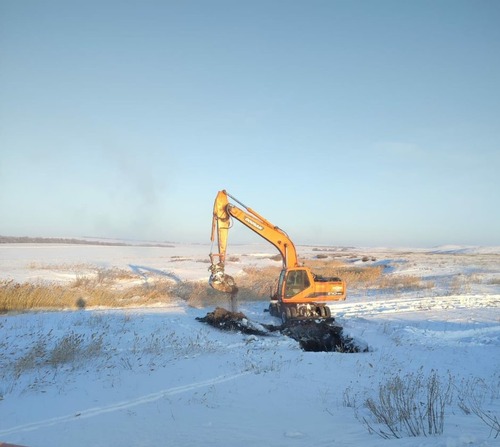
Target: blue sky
(343,122)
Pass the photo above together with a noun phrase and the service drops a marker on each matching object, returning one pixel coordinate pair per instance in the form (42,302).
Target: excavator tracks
(302,311)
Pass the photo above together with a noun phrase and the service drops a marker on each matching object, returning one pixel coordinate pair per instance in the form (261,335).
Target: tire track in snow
(126,404)
(395,305)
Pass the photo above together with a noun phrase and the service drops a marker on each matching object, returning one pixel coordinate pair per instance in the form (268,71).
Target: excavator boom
(221,223)
(223,211)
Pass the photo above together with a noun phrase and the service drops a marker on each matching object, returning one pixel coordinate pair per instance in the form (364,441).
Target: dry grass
(114,288)
(403,282)
(354,276)
(101,290)
(102,277)
(255,285)
(258,283)
(83,293)
(478,396)
(199,294)
(412,406)
(367,276)
(61,267)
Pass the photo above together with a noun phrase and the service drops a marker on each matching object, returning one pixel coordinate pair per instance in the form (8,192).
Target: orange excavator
(300,294)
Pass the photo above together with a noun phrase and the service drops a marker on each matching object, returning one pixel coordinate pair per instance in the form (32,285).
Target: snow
(156,376)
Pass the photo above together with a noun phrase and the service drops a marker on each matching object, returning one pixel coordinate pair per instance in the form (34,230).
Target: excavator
(300,294)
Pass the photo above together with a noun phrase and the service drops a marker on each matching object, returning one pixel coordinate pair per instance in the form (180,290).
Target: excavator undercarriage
(300,311)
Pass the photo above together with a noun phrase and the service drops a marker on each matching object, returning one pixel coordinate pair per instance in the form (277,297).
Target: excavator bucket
(225,284)
(220,281)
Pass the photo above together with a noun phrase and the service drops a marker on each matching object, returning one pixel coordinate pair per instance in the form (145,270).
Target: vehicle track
(123,405)
(398,305)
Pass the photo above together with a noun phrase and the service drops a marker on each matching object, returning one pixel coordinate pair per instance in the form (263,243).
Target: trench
(313,335)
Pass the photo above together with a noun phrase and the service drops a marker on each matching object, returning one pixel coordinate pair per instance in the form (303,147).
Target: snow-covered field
(156,376)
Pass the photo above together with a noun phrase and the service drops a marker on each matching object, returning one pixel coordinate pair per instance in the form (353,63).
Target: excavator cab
(296,281)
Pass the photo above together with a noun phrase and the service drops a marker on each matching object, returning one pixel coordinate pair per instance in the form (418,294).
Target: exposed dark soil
(232,321)
(312,335)
(320,336)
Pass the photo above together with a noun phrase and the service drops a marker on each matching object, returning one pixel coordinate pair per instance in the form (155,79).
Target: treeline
(58,240)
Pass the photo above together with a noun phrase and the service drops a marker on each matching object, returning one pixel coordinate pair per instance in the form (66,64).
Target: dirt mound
(312,335)
(320,336)
(232,321)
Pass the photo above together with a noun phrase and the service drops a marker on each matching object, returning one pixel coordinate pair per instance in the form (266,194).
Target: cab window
(296,282)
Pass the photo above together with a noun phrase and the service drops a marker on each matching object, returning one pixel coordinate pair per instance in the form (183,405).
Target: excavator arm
(223,211)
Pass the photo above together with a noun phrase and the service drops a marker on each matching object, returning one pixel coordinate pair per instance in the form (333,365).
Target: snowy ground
(156,376)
